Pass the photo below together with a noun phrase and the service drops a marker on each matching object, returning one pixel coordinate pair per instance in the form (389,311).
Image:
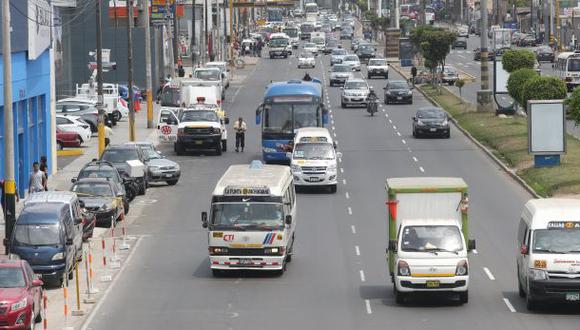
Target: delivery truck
(428,227)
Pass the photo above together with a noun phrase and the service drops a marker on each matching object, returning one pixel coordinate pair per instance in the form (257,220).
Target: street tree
(543,88)
(515,59)
(434,43)
(573,103)
(516,82)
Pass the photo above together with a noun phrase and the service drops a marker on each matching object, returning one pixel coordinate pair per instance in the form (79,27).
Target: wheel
(218,150)
(399,296)
(368,76)
(59,145)
(142,188)
(342,105)
(521,290)
(464,297)
(451,83)
(224,145)
(386,101)
(333,189)
(411,102)
(387,76)
(172,182)
(331,84)
(414,133)
(117,115)
(448,135)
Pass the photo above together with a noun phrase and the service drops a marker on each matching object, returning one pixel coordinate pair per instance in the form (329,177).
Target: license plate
(168,175)
(575,296)
(314,179)
(246,261)
(399,98)
(432,284)
(198,142)
(433,130)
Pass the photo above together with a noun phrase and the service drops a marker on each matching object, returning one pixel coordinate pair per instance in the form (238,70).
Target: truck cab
(201,127)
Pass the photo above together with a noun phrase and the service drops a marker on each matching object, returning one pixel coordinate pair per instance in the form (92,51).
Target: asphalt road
(338,278)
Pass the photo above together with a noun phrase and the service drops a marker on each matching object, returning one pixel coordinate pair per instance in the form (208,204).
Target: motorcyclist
(307,77)
(372,102)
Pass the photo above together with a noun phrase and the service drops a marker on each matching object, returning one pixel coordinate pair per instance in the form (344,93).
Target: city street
(338,278)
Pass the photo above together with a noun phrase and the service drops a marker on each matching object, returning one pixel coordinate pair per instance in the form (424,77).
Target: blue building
(31,87)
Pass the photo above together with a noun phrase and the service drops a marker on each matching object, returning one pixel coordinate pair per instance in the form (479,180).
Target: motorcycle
(372,106)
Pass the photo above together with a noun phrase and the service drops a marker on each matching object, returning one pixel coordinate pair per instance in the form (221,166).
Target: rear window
(119,155)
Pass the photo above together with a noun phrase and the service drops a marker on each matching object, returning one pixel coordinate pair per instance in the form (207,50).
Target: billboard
(546,127)
(500,77)
(39,27)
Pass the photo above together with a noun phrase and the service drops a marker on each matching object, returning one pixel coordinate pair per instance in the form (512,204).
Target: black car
(398,91)
(477,55)
(346,33)
(545,54)
(431,121)
(100,197)
(118,155)
(460,42)
(104,169)
(365,52)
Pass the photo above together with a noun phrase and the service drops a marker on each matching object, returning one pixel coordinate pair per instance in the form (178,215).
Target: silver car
(337,55)
(353,61)
(306,60)
(161,169)
(339,74)
(354,92)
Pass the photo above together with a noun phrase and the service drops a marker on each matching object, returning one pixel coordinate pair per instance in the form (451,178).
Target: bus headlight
(538,274)
(278,251)
(216,250)
(403,268)
(295,168)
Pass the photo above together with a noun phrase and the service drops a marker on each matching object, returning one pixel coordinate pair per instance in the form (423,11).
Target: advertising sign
(546,127)
(38,28)
(500,78)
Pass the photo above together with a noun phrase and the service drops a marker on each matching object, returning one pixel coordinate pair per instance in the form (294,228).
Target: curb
(70,152)
(493,157)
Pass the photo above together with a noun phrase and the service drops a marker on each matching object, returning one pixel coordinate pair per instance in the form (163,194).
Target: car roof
(138,143)
(256,174)
(412,183)
(356,80)
(121,147)
(429,108)
(51,197)
(545,210)
(8,262)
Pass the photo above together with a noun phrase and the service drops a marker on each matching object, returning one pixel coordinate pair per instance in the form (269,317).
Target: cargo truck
(428,236)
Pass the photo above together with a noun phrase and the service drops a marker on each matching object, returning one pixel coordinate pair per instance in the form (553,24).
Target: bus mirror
(289,155)
(204,219)
(288,220)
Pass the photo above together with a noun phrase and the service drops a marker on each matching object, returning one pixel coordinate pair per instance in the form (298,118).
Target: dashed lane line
(489,274)
(415,159)
(362,276)
(349,209)
(357,250)
(421,169)
(509,305)
(368,306)
(346,194)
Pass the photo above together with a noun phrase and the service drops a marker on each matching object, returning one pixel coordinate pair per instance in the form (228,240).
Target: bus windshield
(574,64)
(311,8)
(279,42)
(286,117)
(292,32)
(556,241)
(247,216)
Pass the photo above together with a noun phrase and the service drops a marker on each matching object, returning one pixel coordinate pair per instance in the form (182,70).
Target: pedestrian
(44,168)
(3,196)
(37,180)
(108,133)
(180,71)
(414,74)
(240,128)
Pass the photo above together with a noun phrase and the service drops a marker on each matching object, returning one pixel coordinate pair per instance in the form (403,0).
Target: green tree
(515,59)
(516,82)
(573,103)
(543,88)
(433,43)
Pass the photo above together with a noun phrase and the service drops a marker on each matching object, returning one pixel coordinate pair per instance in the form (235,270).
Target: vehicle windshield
(286,117)
(313,151)
(93,189)
(574,64)
(309,45)
(430,114)
(365,47)
(213,75)
(98,173)
(398,85)
(556,241)
(339,51)
(278,42)
(356,85)
(152,154)
(266,216)
(318,40)
(431,238)
(306,28)
(307,55)
(198,115)
(341,68)
(378,63)
(12,277)
(170,97)
(119,155)
(351,58)
(292,33)
(219,66)
(449,69)
(37,234)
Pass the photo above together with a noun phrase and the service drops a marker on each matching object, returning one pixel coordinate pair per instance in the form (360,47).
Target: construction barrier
(44,311)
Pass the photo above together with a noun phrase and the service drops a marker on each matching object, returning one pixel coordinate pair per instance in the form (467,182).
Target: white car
(306,60)
(223,66)
(352,61)
(74,124)
(311,47)
(377,67)
(354,92)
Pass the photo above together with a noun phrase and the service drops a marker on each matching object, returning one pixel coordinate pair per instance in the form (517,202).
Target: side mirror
(414,118)
(339,155)
(288,220)
(471,245)
(37,282)
(226,121)
(73,180)
(82,204)
(289,155)
(204,219)
(69,241)
(524,249)
(393,245)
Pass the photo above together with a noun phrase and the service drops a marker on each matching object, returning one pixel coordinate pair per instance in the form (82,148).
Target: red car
(67,139)
(20,295)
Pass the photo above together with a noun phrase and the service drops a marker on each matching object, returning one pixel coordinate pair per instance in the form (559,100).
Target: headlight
(19,305)
(295,168)
(462,269)
(217,130)
(445,123)
(420,123)
(403,268)
(58,256)
(268,150)
(213,250)
(538,274)
(274,251)
(105,207)
(410,92)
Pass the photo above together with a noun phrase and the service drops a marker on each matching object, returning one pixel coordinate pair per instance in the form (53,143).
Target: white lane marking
(398,133)
(333,128)
(334,134)
(347,195)
(368,306)
(394,127)
(489,274)
(403,140)
(341,170)
(357,250)
(353,229)
(349,209)
(415,159)
(384,111)
(362,276)
(509,305)
(390,121)
(103,298)
(332,122)
(344,181)
(421,169)
(387,115)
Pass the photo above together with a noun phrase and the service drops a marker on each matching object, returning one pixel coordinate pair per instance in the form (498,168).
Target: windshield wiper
(435,250)
(85,194)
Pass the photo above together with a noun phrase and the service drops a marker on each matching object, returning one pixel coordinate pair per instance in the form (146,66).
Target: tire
(521,290)
(333,189)
(400,297)
(386,101)
(531,304)
(411,102)
(224,145)
(117,115)
(448,135)
(172,182)
(218,150)
(342,105)
(414,133)
(142,189)
(368,76)
(464,297)
(451,83)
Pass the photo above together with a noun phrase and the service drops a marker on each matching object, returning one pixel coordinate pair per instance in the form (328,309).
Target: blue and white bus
(275,15)
(287,107)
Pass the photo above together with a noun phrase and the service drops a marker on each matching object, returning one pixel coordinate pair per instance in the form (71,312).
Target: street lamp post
(484,102)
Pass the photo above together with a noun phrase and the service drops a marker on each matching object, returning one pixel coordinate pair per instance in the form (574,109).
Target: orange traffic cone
(137,105)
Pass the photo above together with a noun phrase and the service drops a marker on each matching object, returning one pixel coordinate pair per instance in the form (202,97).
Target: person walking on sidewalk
(240,128)
(37,181)
(44,169)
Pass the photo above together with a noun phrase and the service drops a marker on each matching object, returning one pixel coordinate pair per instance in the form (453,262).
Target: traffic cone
(137,105)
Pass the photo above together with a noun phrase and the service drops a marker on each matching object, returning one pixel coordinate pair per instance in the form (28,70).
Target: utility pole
(225,42)
(207,25)
(232,39)
(558,27)
(9,183)
(145,11)
(130,69)
(175,36)
(461,12)
(192,34)
(101,112)
(484,95)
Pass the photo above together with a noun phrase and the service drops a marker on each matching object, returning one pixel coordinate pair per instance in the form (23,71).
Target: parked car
(398,91)
(118,155)
(161,169)
(431,121)
(449,76)
(104,169)
(74,124)
(306,60)
(354,92)
(223,66)
(124,92)
(77,107)
(67,139)
(89,223)
(545,54)
(460,42)
(339,74)
(101,197)
(21,293)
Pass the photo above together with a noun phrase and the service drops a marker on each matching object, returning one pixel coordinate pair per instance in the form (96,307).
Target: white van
(314,160)
(548,251)
(252,219)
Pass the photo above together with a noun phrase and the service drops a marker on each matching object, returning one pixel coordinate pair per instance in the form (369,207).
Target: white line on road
(421,169)
(332,122)
(333,128)
(341,170)
(415,159)
(349,209)
(390,121)
(509,305)
(347,195)
(474,251)
(403,140)
(387,115)
(357,250)
(399,133)
(334,134)
(353,229)
(489,274)
(362,276)
(394,127)
(343,180)
(368,305)
(384,110)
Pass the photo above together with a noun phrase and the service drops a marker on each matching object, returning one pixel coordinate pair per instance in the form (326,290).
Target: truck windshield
(279,42)
(170,97)
(199,115)
(37,235)
(314,151)
(286,117)
(213,75)
(431,238)
(556,241)
(242,216)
